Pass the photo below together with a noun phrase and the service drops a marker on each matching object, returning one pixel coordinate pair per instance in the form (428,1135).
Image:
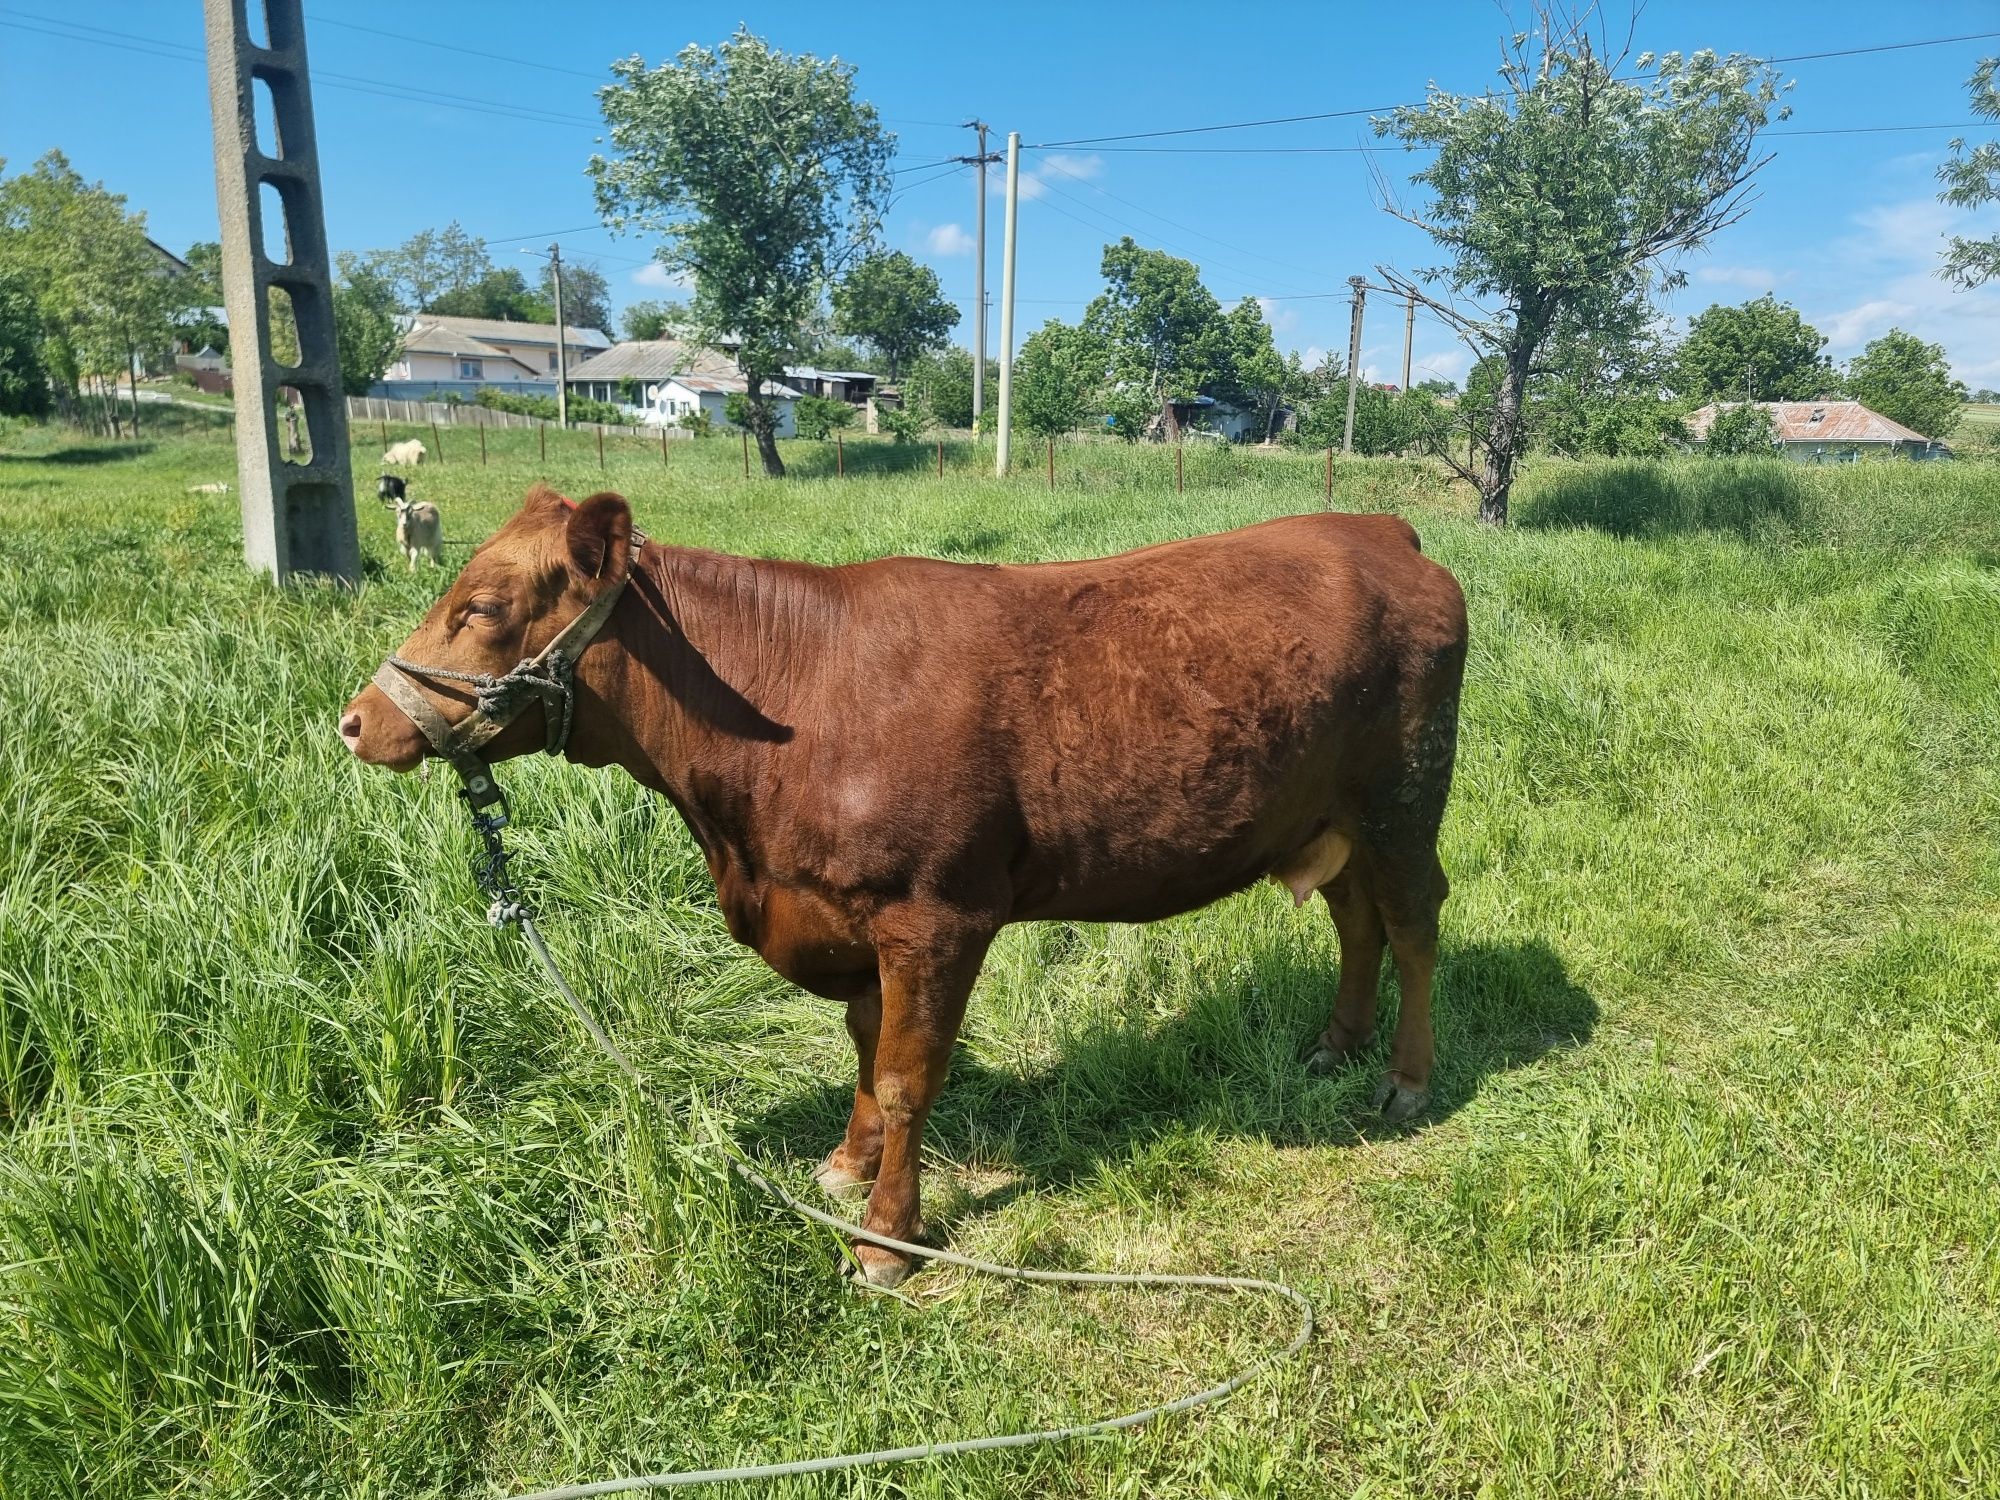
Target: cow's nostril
(350,726)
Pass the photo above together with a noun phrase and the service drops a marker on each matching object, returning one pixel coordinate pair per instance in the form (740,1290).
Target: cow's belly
(800,934)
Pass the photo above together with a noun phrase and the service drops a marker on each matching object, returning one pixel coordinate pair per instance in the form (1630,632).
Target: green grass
(310,1189)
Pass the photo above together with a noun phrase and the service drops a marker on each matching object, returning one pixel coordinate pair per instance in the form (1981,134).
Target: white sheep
(409,451)
(419,531)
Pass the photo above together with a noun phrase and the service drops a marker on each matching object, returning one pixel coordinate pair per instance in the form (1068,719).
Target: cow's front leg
(852,1165)
(924,990)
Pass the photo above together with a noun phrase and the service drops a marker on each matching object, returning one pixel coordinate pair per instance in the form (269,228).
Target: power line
(1343,114)
(162,47)
(320,18)
(1383,150)
(1174,224)
(1124,227)
(383,88)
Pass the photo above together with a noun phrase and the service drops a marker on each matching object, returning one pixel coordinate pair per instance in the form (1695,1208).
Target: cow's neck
(719,658)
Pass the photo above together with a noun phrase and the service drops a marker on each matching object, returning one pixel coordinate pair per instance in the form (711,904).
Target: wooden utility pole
(979,164)
(1360,286)
(1004,434)
(297,518)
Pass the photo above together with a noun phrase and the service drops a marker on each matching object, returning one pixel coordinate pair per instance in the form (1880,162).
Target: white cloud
(1857,323)
(654,274)
(1441,364)
(950,239)
(1064,164)
(1756,278)
(1281,319)
(1059,167)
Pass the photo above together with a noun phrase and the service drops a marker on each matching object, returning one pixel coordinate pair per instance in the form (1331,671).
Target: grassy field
(308,1188)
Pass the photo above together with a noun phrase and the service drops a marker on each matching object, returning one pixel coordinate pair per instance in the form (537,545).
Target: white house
(662,380)
(443,353)
(667,401)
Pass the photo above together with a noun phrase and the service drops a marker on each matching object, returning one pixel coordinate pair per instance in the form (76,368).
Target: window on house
(552,359)
(472,369)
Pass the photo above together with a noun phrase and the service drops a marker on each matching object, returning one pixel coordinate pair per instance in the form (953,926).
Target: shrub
(817,416)
(581,408)
(1738,430)
(697,422)
(905,424)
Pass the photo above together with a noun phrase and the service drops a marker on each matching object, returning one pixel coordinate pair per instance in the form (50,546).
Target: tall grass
(308,1189)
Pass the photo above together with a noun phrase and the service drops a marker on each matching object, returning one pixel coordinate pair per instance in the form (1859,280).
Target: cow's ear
(599,535)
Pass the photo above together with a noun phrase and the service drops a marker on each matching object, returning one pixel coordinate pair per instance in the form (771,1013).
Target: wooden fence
(380,409)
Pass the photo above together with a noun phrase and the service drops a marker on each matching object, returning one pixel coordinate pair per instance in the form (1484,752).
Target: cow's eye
(485,609)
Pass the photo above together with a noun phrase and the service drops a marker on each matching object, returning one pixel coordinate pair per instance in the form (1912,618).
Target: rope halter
(548,676)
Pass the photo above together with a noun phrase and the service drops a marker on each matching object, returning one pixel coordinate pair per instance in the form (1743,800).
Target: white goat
(419,531)
(409,451)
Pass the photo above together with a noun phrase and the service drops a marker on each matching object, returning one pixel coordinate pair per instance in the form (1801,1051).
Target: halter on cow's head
(506,634)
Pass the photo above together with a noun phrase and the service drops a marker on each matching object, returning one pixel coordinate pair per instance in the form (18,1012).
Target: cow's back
(1135,735)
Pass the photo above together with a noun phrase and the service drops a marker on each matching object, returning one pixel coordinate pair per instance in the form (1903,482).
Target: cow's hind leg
(923,1001)
(1409,891)
(1359,923)
(852,1165)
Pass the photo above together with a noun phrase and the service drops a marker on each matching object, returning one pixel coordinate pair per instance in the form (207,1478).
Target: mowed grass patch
(309,1188)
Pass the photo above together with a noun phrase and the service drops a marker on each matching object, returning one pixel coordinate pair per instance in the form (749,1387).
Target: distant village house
(1830,432)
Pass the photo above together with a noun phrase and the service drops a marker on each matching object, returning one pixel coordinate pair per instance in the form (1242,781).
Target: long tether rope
(505,912)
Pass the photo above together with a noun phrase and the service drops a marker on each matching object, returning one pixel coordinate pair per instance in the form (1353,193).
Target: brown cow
(886,763)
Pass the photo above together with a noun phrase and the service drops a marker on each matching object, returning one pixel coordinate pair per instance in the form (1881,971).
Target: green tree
(1739,430)
(1566,190)
(818,417)
(102,298)
(649,320)
(1601,392)
(943,383)
(1760,351)
(365,328)
(24,384)
(431,264)
(586,295)
(200,290)
(1258,378)
(1971,180)
(1908,381)
(1055,374)
(501,292)
(1163,330)
(896,305)
(764,173)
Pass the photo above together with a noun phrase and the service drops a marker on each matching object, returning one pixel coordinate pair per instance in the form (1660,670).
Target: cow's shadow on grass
(1229,1063)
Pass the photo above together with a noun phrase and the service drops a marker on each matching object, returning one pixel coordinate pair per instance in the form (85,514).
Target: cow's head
(530,579)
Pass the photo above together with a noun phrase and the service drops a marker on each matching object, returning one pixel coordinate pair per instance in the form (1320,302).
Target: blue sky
(1847,226)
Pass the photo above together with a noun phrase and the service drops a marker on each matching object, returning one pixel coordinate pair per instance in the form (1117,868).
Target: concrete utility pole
(1006,428)
(1409,336)
(562,340)
(297,518)
(1360,285)
(979,164)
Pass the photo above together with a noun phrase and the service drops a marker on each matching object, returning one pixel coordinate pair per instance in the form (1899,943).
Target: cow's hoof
(1327,1057)
(1396,1101)
(884,1270)
(838,1180)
